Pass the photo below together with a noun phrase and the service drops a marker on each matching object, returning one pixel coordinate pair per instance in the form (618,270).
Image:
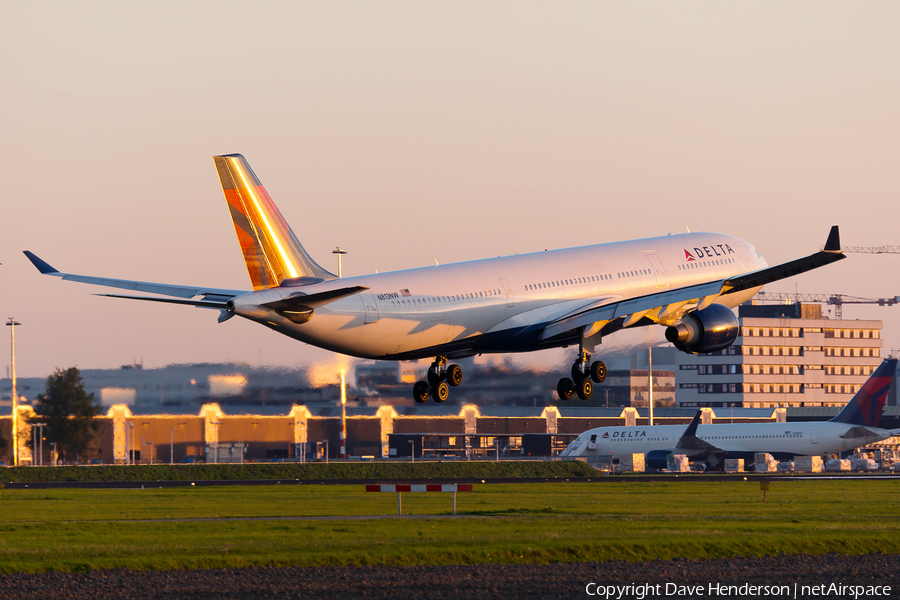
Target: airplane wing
(210,297)
(660,305)
(188,295)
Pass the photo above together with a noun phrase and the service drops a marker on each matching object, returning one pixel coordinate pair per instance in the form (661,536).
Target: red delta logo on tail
(871,398)
(866,406)
(688,256)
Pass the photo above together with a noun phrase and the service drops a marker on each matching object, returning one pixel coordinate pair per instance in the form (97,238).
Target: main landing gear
(440,377)
(584,372)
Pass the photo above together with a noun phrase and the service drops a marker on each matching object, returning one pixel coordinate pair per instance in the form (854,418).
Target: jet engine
(657,459)
(707,330)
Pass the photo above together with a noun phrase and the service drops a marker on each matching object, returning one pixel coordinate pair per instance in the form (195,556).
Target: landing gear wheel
(598,371)
(454,375)
(441,392)
(577,375)
(421,392)
(433,378)
(584,388)
(565,388)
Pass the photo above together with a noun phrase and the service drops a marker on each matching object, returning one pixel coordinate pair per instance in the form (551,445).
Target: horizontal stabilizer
(198,303)
(164,289)
(858,432)
(307,301)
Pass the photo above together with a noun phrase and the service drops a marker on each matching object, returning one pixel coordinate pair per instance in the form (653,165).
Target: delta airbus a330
(686,282)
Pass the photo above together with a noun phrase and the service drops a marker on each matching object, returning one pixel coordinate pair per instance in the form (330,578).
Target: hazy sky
(406,132)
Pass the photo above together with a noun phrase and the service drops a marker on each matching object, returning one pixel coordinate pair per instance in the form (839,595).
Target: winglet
(42,266)
(833,244)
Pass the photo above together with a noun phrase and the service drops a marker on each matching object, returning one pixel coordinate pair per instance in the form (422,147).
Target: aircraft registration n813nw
(687,283)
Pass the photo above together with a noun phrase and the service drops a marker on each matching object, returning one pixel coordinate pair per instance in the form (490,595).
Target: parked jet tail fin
(689,440)
(271,250)
(866,406)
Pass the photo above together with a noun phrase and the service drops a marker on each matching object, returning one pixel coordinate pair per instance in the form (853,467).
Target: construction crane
(836,300)
(870,249)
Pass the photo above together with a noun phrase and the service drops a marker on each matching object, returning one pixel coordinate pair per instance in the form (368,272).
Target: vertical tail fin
(271,250)
(866,406)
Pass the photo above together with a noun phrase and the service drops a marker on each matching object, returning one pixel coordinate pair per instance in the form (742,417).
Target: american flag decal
(405,293)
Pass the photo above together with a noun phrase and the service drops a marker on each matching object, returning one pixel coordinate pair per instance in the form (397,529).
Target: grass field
(75,530)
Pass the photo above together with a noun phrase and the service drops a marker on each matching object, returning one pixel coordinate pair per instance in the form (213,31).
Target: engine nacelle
(707,330)
(657,459)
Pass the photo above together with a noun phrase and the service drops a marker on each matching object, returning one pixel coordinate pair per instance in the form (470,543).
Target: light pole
(52,454)
(11,323)
(412,450)
(339,253)
(343,452)
(650,385)
(150,453)
(40,427)
(172,447)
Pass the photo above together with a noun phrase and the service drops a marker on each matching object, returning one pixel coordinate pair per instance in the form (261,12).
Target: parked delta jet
(855,426)
(688,283)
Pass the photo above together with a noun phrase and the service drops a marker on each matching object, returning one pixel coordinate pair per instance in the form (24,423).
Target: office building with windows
(784,356)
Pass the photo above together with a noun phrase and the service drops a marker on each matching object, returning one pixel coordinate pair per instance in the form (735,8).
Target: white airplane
(687,283)
(856,425)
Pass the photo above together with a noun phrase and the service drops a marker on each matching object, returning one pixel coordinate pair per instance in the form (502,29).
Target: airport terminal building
(434,431)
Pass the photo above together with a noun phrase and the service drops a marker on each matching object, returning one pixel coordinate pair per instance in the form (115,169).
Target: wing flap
(614,310)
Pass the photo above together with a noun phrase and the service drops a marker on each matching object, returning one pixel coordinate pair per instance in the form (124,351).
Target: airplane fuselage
(739,440)
(500,304)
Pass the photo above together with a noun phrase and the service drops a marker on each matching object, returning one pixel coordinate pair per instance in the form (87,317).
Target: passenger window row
(567,282)
(445,299)
(705,263)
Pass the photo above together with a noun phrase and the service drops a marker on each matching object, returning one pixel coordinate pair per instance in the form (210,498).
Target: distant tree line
(68,413)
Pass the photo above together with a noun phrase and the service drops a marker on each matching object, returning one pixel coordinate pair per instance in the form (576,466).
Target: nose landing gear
(440,377)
